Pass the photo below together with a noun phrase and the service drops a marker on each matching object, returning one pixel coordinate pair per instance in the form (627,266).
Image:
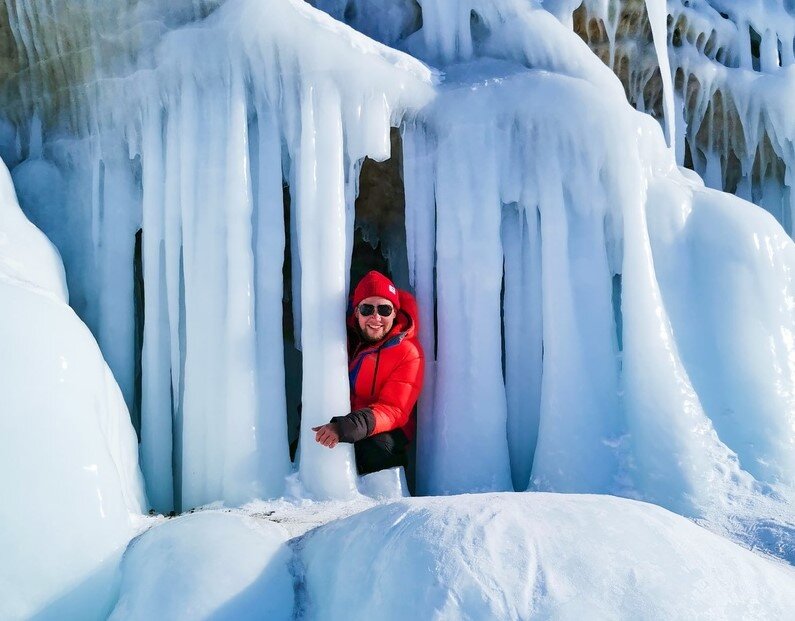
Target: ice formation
(731,63)
(72,490)
(595,318)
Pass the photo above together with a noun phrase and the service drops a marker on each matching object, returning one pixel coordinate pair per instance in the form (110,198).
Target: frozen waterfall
(595,318)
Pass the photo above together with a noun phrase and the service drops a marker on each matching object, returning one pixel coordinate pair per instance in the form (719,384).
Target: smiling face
(374,327)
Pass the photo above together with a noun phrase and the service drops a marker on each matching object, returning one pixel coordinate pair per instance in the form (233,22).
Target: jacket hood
(406,323)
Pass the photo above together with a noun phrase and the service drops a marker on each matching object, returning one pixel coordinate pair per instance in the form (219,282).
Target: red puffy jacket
(385,377)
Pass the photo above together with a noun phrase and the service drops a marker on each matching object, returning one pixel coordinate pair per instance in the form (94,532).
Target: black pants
(381,451)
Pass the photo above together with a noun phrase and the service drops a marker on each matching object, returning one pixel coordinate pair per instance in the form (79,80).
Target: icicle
(579,384)
(203,136)
(680,461)
(269,257)
(446,29)
(768,52)
(35,146)
(243,470)
(523,329)
(156,424)
(469,392)
(172,253)
(118,217)
(326,473)
(658,18)
(418,177)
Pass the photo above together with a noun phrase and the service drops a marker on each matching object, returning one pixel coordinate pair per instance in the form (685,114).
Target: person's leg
(381,451)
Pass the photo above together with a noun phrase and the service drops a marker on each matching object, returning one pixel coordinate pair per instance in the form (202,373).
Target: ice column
(269,242)
(418,179)
(244,467)
(523,329)
(471,452)
(116,209)
(579,390)
(203,145)
(320,178)
(156,422)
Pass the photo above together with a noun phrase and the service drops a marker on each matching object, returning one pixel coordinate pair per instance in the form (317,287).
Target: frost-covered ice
(207,565)
(72,491)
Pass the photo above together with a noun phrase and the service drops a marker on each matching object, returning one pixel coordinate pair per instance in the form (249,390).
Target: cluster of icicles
(594,318)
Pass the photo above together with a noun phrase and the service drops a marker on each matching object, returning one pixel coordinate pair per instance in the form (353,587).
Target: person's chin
(374,336)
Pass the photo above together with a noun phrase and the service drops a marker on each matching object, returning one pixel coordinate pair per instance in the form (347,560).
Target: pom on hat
(376,284)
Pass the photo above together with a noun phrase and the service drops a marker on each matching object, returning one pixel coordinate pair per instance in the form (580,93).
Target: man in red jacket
(385,368)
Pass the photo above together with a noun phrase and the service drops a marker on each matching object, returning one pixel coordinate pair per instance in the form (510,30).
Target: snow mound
(539,555)
(68,454)
(208,565)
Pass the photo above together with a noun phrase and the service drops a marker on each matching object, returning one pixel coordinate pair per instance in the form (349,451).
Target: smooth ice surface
(68,454)
(208,565)
(505,556)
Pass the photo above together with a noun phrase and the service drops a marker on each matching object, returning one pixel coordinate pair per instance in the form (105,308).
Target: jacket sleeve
(355,426)
(399,392)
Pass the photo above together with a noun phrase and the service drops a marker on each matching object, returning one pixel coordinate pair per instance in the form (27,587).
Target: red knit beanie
(376,284)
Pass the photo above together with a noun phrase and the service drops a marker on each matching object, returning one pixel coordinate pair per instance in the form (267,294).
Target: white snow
(485,556)
(534,555)
(72,491)
(208,565)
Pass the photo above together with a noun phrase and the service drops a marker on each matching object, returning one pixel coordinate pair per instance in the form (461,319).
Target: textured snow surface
(471,557)
(534,555)
(72,491)
(207,565)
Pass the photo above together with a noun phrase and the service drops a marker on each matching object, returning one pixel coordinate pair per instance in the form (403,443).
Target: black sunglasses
(365,310)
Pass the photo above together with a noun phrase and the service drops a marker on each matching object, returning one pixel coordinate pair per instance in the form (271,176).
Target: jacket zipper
(375,373)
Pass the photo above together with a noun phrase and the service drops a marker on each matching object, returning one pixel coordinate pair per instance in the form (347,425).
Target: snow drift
(522,556)
(209,565)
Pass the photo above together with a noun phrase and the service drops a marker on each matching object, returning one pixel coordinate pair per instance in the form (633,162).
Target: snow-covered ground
(468,557)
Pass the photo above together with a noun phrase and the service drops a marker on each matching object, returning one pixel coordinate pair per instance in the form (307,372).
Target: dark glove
(355,426)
